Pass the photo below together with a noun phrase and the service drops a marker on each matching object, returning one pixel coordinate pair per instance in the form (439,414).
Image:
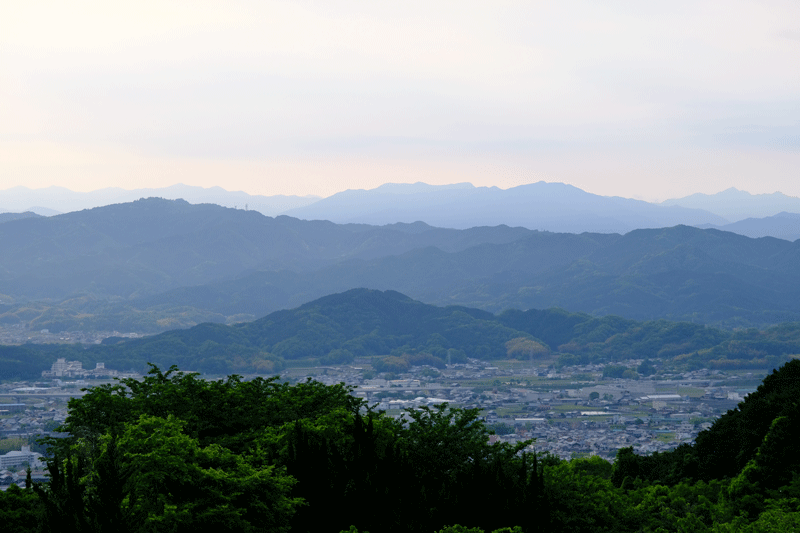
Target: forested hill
(7,217)
(363,322)
(154,265)
(152,245)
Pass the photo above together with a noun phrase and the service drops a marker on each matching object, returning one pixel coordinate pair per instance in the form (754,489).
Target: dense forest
(361,322)
(173,452)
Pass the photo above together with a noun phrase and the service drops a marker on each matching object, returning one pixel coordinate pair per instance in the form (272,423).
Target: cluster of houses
(20,333)
(587,416)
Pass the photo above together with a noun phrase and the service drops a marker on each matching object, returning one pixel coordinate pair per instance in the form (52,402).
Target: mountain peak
(549,206)
(418,187)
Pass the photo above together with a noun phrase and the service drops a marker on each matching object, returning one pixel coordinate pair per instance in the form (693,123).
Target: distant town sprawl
(571,411)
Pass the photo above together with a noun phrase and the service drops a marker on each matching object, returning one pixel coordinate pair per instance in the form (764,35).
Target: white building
(64,368)
(74,369)
(20,458)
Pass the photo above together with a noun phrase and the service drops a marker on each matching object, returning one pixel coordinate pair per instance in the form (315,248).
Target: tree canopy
(173,452)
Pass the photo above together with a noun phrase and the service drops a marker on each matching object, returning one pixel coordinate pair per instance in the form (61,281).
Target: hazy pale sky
(637,99)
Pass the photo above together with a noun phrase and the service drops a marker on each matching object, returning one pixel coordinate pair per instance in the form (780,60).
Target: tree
(19,509)
(579,500)
(525,348)
(172,449)
(455,475)
(174,484)
(646,368)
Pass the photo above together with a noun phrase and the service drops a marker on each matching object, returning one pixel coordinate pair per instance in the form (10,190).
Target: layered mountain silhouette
(156,264)
(57,200)
(547,206)
(735,205)
(148,246)
(782,226)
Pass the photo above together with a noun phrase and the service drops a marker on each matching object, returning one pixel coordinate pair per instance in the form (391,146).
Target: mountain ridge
(783,225)
(59,200)
(547,206)
(336,328)
(156,264)
(551,206)
(736,205)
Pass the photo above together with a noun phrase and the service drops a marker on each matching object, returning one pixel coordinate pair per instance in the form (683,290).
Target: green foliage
(594,466)
(399,364)
(526,348)
(461,529)
(733,440)
(19,510)
(630,374)
(500,428)
(171,483)
(646,368)
(27,362)
(455,356)
(429,373)
(442,441)
(173,452)
(741,475)
(579,500)
(9,444)
(681,507)
(338,356)
(773,520)
(391,364)
(614,371)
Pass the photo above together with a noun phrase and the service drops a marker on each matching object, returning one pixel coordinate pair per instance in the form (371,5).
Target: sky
(648,100)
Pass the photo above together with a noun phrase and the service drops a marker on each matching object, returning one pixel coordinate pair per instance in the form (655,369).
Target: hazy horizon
(641,101)
(212,187)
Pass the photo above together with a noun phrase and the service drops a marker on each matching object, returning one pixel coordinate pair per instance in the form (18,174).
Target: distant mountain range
(735,205)
(155,264)
(144,247)
(782,226)
(545,206)
(56,200)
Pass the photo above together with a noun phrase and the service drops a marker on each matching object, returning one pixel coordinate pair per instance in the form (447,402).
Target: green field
(692,392)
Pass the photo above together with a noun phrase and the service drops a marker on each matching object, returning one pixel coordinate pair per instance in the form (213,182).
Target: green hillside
(363,322)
